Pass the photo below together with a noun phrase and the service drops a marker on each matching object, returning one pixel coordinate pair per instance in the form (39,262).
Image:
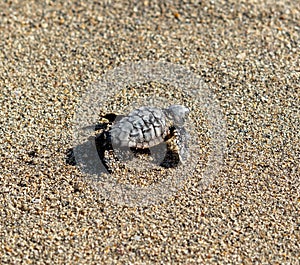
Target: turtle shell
(142,128)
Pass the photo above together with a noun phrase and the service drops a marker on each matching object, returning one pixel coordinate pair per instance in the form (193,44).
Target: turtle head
(177,113)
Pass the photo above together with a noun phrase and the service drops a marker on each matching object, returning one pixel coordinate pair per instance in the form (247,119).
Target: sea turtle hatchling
(144,128)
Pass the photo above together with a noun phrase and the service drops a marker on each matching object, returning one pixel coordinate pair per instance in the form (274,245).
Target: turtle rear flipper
(102,142)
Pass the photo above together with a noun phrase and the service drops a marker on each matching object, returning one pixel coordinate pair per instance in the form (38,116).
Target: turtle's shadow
(92,151)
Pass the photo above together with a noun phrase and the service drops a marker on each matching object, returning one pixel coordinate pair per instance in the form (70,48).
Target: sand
(246,54)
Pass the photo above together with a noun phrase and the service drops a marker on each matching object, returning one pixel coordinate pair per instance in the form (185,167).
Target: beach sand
(247,53)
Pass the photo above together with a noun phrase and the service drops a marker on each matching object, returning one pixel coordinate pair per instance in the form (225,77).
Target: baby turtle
(144,128)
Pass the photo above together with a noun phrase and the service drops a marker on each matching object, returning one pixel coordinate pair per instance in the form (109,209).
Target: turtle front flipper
(182,139)
(177,147)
